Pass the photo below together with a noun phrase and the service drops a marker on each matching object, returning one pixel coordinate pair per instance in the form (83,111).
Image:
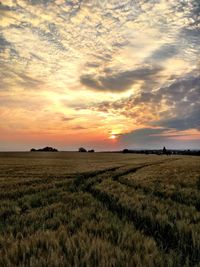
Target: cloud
(39,2)
(23,102)
(4,7)
(122,81)
(195,9)
(67,118)
(174,106)
(144,138)
(11,80)
(93,65)
(29,82)
(157,138)
(191,36)
(164,52)
(184,122)
(79,128)
(3,43)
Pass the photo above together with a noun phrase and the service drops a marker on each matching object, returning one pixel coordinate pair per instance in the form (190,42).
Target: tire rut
(166,235)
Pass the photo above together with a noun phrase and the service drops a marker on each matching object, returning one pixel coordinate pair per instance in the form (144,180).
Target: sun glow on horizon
(113,137)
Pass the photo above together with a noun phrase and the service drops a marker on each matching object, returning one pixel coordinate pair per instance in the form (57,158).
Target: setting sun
(113,136)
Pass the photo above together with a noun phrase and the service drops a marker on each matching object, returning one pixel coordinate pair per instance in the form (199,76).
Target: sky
(100,74)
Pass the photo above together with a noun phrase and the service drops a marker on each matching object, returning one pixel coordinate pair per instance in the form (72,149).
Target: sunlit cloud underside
(100,74)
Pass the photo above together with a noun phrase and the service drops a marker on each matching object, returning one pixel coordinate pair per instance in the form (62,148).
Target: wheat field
(99,209)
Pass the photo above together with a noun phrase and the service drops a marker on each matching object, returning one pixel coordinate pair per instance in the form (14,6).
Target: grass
(73,209)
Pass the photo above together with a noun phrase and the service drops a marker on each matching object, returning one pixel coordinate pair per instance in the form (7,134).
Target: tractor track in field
(160,194)
(166,237)
(81,179)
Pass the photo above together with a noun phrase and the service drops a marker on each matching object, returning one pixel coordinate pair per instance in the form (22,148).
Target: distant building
(164,150)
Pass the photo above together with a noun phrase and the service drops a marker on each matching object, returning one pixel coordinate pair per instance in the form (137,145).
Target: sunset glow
(72,72)
(113,137)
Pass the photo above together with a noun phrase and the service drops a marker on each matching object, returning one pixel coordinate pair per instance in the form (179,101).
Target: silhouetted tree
(45,149)
(125,151)
(91,151)
(82,149)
